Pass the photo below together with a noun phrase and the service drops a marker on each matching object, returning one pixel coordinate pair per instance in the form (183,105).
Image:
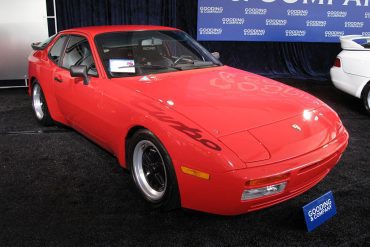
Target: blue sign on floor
(319,210)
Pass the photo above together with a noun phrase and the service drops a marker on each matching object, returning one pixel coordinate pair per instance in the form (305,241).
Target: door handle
(58,79)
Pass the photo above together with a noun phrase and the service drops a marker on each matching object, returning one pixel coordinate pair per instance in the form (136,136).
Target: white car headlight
(263,191)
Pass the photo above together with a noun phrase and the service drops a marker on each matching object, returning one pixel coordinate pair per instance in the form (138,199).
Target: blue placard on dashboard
(319,211)
(282,20)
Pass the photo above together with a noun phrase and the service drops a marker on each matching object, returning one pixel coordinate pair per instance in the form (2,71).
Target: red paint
(337,62)
(229,123)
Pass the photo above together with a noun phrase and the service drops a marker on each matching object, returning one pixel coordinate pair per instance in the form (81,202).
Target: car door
(78,103)
(47,74)
(61,90)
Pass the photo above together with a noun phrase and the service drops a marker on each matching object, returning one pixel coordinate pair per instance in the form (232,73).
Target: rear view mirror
(216,55)
(151,42)
(80,71)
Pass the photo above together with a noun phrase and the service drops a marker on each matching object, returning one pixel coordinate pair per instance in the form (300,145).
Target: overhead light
(307,115)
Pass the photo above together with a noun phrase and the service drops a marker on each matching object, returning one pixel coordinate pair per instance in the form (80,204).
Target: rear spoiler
(37,46)
(348,42)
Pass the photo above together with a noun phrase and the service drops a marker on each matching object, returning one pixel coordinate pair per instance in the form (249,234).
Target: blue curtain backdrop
(274,59)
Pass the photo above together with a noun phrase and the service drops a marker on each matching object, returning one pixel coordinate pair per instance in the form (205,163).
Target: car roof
(94,30)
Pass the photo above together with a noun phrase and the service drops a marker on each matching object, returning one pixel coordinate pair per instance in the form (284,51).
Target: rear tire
(40,107)
(152,170)
(366,98)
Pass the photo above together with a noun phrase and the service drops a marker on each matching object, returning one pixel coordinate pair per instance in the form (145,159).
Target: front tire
(366,98)
(152,170)
(39,105)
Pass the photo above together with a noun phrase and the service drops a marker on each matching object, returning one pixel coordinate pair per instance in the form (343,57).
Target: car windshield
(151,52)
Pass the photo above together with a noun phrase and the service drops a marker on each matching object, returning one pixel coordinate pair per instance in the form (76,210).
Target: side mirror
(216,54)
(80,71)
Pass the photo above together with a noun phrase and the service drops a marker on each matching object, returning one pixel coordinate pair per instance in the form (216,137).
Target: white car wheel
(152,170)
(39,105)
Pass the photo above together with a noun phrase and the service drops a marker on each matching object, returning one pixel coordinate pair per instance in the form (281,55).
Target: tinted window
(78,52)
(57,48)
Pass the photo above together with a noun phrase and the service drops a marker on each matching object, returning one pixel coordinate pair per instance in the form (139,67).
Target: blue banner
(319,211)
(282,20)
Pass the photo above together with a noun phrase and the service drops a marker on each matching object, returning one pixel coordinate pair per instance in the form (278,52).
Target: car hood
(225,100)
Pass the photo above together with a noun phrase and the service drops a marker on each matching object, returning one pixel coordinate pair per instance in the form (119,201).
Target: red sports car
(193,132)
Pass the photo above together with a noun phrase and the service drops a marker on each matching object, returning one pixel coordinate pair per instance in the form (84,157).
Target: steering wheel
(183,57)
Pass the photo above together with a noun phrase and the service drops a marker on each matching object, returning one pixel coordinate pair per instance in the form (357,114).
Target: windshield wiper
(150,66)
(198,64)
(203,63)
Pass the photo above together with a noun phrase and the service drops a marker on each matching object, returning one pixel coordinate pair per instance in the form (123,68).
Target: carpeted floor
(59,189)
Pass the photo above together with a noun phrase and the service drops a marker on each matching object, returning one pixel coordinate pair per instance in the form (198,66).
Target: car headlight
(263,191)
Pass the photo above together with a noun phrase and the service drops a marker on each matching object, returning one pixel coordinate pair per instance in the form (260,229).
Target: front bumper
(221,194)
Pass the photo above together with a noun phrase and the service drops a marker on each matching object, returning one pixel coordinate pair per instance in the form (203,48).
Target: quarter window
(56,50)
(78,52)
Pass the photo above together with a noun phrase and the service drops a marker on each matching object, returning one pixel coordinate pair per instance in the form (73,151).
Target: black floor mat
(59,189)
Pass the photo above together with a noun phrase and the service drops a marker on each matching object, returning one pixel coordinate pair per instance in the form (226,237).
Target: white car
(351,70)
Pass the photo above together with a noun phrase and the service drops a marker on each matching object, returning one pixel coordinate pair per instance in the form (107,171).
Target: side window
(56,50)
(78,52)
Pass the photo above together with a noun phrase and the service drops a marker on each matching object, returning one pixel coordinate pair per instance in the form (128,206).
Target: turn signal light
(195,173)
(337,62)
(267,180)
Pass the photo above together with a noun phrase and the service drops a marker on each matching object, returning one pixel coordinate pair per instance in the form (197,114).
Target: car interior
(78,52)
